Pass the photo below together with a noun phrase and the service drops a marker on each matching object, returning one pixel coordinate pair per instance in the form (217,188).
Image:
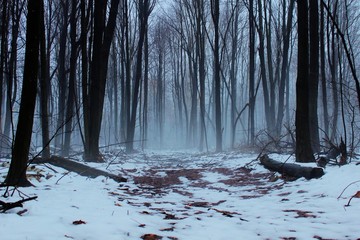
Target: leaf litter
(172,195)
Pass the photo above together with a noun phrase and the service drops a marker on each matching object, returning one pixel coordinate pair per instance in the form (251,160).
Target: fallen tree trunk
(79,168)
(291,169)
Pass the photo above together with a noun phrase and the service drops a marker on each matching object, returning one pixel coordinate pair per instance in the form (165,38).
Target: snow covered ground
(177,195)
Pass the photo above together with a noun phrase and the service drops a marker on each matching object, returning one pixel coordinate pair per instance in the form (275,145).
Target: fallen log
(291,169)
(77,167)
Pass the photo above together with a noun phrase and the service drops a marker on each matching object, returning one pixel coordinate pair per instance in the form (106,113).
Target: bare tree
(314,75)
(17,171)
(304,152)
(215,13)
(145,7)
(103,35)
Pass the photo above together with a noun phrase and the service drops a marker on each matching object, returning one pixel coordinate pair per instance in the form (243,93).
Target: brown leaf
(151,237)
(20,213)
(170,229)
(173,238)
(225,213)
(79,222)
(357,194)
(170,216)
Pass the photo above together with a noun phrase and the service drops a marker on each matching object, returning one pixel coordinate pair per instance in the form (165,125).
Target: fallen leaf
(78,222)
(20,213)
(170,229)
(225,213)
(151,237)
(357,194)
(170,216)
(173,238)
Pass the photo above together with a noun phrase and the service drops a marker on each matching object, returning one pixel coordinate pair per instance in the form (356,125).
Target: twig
(7,206)
(346,188)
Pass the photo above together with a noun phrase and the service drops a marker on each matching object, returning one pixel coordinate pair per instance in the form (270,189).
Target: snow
(184,195)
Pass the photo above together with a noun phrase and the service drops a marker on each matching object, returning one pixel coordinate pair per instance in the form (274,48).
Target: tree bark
(314,75)
(44,90)
(72,80)
(103,35)
(17,171)
(251,121)
(215,12)
(290,169)
(144,7)
(79,168)
(303,150)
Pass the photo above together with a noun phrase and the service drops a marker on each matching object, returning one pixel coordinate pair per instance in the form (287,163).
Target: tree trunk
(215,12)
(290,169)
(303,151)
(17,171)
(72,80)
(323,72)
(103,35)
(144,8)
(44,90)
(3,53)
(314,75)
(16,12)
(62,74)
(251,124)
(284,66)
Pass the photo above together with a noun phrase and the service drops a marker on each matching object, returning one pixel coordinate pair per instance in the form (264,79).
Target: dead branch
(5,206)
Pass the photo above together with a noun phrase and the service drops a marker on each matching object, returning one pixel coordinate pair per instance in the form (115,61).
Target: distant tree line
(79,75)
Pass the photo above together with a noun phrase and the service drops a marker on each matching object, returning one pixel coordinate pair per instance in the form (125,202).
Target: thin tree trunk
(72,80)
(251,125)
(215,12)
(144,12)
(284,66)
(314,75)
(323,72)
(62,73)
(44,93)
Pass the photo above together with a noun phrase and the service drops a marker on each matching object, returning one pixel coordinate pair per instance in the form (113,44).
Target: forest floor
(183,195)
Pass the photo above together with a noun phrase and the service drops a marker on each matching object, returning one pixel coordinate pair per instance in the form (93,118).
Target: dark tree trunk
(16,11)
(3,53)
(202,72)
(146,91)
(215,12)
(264,77)
(284,66)
(303,151)
(323,72)
(17,171)
(72,79)
(62,73)
(251,125)
(103,35)
(290,169)
(144,10)
(314,75)
(44,90)
(85,15)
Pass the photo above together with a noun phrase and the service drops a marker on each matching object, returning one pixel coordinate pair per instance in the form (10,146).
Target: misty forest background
(209,75)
